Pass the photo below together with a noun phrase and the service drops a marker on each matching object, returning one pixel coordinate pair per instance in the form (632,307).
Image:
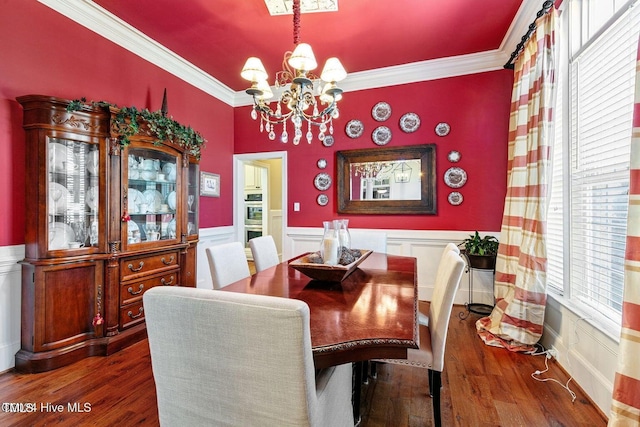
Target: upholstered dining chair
(422,318)
(235,359)
(433,337)
(264,251)
(228,264)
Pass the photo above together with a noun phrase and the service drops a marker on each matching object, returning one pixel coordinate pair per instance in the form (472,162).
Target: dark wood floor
(483,386)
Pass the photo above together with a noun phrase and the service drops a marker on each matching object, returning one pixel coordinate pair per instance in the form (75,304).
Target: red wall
(42,52)
(475,106)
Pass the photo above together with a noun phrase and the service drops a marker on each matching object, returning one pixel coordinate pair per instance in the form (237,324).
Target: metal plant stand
(476,308)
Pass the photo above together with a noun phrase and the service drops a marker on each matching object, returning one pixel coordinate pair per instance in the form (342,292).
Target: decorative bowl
(326,272)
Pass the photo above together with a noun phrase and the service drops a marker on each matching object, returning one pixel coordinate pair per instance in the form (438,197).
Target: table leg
(357,391)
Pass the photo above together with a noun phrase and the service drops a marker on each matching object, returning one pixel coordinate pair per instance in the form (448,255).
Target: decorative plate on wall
(454,156)
(354,128)
(410,122)
(381,135)
(455,198)
(322,181)
(328,141)
(381,111)
(442,129)
(322,199)
(455,177)
(322,163)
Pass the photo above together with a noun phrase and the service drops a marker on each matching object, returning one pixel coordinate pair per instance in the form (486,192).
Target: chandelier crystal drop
(304,97)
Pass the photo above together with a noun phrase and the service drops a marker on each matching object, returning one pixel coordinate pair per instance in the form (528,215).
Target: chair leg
(435,383)
(365,372)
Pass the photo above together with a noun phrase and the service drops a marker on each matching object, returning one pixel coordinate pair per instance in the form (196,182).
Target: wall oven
(252,231)
(253,209)
(253,214)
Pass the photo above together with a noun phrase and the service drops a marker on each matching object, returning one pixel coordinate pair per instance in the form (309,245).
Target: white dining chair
(372,240)
(264,251)
(433,337)
(228,264)
(423,319)
(236,359)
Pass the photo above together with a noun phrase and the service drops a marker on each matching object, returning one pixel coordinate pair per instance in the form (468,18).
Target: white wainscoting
(588,354)
(10,298)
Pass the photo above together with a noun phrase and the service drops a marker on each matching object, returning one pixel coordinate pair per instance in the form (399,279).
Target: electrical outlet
(552,352)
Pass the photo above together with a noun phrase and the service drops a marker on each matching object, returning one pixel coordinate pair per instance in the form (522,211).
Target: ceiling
(218,35)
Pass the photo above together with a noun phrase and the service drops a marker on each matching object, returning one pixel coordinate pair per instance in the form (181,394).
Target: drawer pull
(135,316)
(138,292)
(164,283)
(168,262)
(132,268)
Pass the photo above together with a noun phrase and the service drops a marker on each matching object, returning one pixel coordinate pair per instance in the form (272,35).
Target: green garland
(126,123)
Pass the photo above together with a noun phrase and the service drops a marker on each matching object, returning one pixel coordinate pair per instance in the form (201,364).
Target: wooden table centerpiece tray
(326,272)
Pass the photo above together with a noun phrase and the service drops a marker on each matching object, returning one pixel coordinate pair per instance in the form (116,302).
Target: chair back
(373,240)
(228,264)
(233,359)
(451,247)
(446,285)
(264,251)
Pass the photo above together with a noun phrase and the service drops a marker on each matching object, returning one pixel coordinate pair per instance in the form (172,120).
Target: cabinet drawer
(131,314)
(132,291)
(145,265)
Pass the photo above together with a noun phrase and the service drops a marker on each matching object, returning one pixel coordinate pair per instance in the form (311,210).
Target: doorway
(250,173)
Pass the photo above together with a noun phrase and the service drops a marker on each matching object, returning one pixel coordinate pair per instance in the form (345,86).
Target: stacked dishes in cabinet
(73,195)
(151,200)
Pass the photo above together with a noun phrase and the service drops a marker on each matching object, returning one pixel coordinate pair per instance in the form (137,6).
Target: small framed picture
(209,184)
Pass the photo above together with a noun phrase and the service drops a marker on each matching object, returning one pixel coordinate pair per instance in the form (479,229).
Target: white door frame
(238,189)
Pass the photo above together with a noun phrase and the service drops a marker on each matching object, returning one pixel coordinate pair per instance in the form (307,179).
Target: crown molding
(109,26)
(411,73)
(519,27)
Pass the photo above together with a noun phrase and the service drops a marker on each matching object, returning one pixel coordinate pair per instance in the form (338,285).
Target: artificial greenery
(476,245)
(126,123)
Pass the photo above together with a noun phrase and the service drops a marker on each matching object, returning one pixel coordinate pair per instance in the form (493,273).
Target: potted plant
(480,251)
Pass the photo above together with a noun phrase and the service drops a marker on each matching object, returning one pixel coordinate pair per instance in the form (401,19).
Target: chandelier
(297,104)
(402,173)
(368,170)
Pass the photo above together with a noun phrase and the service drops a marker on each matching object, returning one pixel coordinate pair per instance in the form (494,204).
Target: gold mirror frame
(427,203)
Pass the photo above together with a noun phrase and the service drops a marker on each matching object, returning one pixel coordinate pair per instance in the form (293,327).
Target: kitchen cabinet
(252,178)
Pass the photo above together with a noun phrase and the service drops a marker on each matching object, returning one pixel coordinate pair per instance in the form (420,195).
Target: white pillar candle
(330,250)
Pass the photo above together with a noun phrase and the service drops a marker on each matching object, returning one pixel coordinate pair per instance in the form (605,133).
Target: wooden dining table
(371,314)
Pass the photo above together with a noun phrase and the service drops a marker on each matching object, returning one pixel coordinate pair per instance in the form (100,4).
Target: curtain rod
(545,8)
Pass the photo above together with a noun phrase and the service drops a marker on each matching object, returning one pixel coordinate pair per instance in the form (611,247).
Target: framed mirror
(388,180)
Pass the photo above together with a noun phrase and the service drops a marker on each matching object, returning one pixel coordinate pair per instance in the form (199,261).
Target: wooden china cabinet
(104,223)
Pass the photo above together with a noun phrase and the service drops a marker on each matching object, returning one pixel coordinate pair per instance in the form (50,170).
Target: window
(589,195)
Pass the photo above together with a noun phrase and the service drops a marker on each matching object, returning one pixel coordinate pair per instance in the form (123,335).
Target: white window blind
(601,80)
(556,210)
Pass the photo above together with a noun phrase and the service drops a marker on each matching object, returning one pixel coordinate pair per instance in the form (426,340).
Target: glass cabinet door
(152,199)
(73,194)
(193,199)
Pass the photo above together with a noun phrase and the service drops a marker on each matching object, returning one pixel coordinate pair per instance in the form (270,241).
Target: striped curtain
(517,320)
(625,407)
